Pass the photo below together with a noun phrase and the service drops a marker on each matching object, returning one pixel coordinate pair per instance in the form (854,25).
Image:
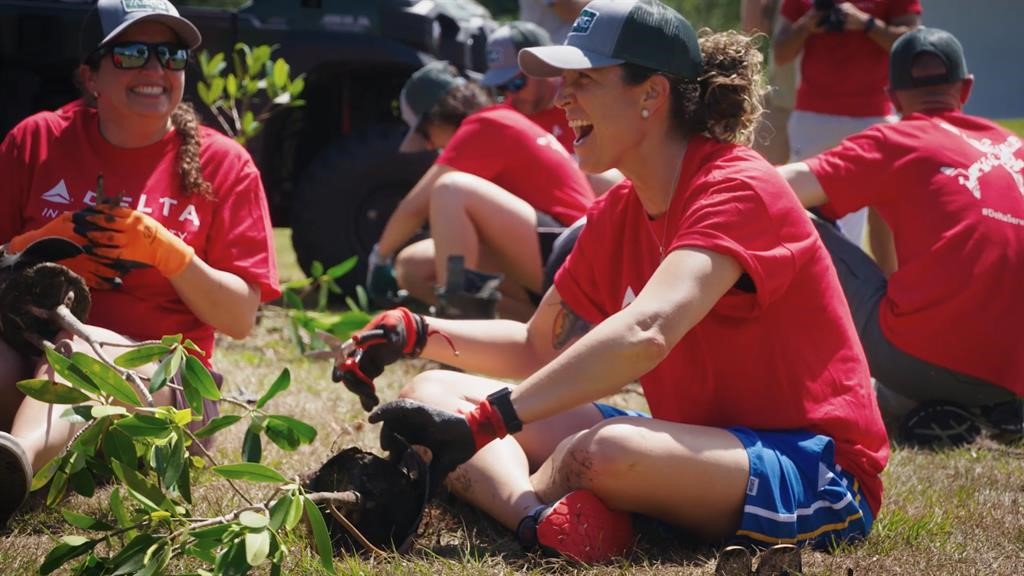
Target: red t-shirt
(554,121)
(501,145)
(845,73)
(951,188)
(784,357)
(50,162)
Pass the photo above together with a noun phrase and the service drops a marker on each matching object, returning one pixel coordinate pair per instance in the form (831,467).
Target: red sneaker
(581,527)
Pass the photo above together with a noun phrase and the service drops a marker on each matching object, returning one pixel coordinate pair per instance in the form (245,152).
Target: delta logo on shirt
(58,194)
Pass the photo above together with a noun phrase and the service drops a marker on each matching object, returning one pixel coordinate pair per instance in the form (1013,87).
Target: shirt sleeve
(577,279)
(792,10)
(732,219)
(903,7)
(13,168)
(853,173)
(474,149)
(241,239)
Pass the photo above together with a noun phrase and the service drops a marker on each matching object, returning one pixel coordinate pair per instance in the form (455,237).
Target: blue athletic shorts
(797,494)
(609,411)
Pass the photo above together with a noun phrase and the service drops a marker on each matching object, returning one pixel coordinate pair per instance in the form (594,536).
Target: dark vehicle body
(331,168)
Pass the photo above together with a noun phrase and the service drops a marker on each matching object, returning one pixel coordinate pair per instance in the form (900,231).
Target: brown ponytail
(186,123)
(726,103)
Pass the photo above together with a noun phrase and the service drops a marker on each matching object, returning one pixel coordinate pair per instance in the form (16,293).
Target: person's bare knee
(414,270)
(592,459)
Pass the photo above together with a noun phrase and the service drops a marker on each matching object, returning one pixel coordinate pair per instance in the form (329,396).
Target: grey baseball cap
(503,48)
(112,17)
(925,40)
(422,91)
(610,32)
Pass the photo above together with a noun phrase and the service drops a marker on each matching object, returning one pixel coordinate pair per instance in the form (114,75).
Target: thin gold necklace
(665,214)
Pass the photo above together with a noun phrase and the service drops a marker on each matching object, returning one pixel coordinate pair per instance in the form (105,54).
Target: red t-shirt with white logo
(951,188)
(845,73)
(502,145)
(50,162)
(783,357)
(553,120)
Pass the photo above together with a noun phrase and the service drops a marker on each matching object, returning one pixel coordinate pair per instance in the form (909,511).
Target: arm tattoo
(567,328)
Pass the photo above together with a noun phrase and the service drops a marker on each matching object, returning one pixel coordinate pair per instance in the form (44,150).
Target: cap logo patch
(144,5)
(493,54)
(584,22)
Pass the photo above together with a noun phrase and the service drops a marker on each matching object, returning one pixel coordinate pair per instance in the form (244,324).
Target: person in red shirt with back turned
(940,334)
(844,53)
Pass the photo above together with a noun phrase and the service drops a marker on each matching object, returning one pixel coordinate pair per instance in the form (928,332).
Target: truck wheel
(347,194)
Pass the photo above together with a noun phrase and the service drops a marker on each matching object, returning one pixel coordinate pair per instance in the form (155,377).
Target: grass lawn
(947,513)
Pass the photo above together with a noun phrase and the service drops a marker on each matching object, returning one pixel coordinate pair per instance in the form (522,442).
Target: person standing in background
(772,137)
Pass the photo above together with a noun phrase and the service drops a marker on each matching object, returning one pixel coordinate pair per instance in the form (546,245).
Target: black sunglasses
(134,55)
(514,85)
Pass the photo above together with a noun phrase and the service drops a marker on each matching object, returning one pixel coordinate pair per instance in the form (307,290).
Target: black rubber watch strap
(501,400)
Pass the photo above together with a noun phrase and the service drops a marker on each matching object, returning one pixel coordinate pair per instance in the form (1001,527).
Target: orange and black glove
(391,335)
(60,228)
(99,273)
(121,234)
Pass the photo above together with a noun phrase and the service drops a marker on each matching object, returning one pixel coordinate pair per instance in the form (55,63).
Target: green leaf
(155,559)
(147,493)
(320,535)
(297,86)
(305,432)
(73,374)
(108,380)
(279,512)
(89,439)
(143,426)
(257,545)
(175,462)
(281,383)
(193,397)
(70,547)
(58,486)
(83,483)
(197,374)
(281,435)
(217,64)
(216,425)
(130,559)
(250,472)
(215,533)
(107,410)
(216,88)
(253,519)
(252,446)
(171,340)
(292,300)
(204,93)
(78,414)
(45,473)
(142,355)
(51,392)
(294,511)
(231,86)
(342,268)
(85,522)
(117,445)
(316,270)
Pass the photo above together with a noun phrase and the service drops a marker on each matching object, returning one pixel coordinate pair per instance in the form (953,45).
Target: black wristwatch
(502,401)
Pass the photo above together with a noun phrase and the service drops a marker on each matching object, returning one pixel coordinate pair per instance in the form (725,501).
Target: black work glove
(447,435)
(391,335)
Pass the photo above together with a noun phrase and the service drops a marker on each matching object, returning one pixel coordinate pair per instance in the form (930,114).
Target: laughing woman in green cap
(721,301)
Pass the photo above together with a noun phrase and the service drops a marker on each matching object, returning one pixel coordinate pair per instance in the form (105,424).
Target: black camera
(832,18)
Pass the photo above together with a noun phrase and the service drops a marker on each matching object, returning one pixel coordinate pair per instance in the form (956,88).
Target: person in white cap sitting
(700,276)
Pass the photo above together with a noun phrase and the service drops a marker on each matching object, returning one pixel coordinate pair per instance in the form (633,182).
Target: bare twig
(354,531)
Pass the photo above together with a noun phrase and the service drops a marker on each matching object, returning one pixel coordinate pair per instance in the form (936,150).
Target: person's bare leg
(694,477)
(38,425)
(13,368)
(468,212)
(414,268)
(497,479)
(880,241)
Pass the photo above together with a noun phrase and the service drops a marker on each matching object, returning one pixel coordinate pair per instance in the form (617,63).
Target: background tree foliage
(715,14)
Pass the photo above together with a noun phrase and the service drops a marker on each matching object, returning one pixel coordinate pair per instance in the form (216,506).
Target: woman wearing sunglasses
(498,179)
(170,215)
(702,278)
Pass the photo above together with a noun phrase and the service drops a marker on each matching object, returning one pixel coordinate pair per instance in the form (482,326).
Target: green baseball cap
(503,48)
(925,40)
(610,32)
(422,91)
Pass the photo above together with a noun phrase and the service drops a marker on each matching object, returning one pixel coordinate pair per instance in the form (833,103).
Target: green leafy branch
(145,451)
(256,77)
(307,324)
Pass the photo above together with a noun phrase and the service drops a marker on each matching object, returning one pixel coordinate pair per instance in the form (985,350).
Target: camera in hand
(832,18)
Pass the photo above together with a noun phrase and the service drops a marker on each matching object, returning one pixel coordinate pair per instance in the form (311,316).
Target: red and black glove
(451,438)
(391,335)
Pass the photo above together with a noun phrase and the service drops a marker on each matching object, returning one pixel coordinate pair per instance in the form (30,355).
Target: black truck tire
(346,195)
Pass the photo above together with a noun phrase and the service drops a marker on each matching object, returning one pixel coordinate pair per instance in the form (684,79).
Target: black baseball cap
(610,32)
(503,48)
(421,93)
(925,40)
(112,17)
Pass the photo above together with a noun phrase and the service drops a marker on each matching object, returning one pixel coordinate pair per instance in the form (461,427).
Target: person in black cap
(701,277)
(938,332)
(168,218)
(498,180)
